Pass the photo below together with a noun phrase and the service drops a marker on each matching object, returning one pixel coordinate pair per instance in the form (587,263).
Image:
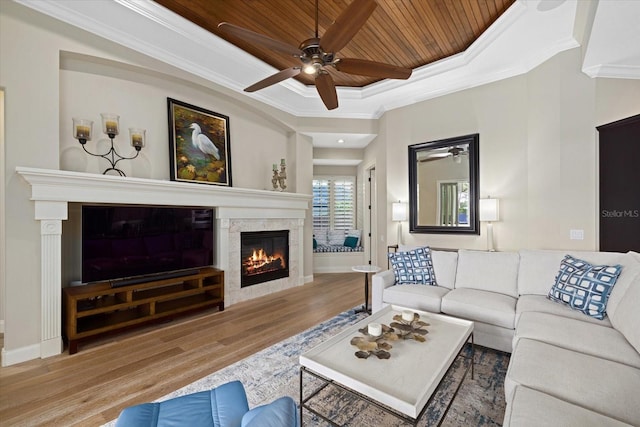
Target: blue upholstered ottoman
(224,406)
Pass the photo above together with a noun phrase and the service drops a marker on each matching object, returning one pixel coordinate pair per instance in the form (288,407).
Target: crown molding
(519,40)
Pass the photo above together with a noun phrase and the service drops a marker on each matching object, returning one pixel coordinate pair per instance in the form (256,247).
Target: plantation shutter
(334,205)
(321,204)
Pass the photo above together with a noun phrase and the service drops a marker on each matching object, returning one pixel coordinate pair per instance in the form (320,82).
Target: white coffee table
(393,382)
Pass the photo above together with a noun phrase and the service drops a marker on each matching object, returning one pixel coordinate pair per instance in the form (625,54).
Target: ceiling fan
(317,53)
(454,152)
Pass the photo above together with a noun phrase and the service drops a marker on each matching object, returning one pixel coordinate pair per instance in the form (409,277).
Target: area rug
(274,372)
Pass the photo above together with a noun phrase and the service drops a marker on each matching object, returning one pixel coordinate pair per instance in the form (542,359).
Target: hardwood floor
(92,386)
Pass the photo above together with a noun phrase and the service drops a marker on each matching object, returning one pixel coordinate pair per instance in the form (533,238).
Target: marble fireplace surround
(237,210)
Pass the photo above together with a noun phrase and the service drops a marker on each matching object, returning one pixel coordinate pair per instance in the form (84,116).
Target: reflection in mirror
(443,186)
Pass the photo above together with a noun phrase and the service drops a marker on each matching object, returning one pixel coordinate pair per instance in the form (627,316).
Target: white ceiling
(529,33)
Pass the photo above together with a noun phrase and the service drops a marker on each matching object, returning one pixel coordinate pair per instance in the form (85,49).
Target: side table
(366,269)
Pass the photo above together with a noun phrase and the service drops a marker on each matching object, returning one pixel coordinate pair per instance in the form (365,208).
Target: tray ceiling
(525,35)
(406,33)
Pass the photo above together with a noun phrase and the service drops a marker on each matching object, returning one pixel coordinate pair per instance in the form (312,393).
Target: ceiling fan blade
(362,67)
(327,90)
(433,157)
(347,25)
(276,78)
(257,38)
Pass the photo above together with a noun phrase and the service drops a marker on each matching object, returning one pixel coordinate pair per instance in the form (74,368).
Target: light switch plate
(576,234)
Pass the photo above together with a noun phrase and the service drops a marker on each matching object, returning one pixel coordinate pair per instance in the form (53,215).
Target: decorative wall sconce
(83,128)
(279,178)
(489,211)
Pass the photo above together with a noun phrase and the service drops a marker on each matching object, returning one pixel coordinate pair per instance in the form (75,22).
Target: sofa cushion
(355,233)
(584,286)
(336,237)
(626,316)
(445,264)
(572,334)
(321,236)
(537,271)
(538,268)
(594,383)
(630,274)
(488,271)
(531,408)
(413,267)
(488,307)
(543,304)
(420,297)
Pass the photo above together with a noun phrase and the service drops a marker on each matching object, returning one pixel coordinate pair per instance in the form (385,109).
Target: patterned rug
(274,372)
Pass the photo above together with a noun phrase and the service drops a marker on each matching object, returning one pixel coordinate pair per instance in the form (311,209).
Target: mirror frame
(474,185)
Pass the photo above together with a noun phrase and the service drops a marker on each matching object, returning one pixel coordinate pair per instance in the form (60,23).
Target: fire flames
(260,262)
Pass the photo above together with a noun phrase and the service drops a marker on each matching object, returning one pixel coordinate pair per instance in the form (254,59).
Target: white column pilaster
(50,215)
(300,251)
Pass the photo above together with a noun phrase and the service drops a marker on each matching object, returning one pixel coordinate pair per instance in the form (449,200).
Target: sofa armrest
(379,282)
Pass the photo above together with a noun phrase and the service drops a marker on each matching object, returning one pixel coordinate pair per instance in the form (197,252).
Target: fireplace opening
(264,256)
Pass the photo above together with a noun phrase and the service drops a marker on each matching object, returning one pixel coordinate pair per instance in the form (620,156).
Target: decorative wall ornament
(279,179)
(199,144)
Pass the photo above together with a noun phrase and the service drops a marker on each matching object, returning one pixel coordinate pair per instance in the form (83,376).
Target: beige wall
(52,72)
(537,142)
(537,151)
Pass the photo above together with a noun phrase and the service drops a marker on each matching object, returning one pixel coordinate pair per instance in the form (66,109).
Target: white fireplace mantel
(64,186)
(52,190)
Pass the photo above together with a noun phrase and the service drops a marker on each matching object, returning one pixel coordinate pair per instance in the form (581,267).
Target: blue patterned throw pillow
(583,286)
(413,267)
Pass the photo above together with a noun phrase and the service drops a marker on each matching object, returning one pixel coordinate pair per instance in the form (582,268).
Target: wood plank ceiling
(407,33)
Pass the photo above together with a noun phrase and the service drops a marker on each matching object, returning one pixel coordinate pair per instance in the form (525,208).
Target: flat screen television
(126,244)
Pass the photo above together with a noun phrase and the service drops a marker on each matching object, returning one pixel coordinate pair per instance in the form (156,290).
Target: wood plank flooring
(92,386)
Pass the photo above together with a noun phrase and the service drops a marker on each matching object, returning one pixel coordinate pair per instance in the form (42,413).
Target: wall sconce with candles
(489,211)
(83,128)
(399,213)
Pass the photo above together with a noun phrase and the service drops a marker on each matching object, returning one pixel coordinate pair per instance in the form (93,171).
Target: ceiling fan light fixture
(316,55)
(314,66)
(309,69)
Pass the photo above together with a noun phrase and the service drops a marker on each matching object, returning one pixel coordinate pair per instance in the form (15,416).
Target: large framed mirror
(443,186)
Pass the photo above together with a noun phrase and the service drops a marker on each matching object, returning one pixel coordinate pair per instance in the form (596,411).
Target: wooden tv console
(97,309)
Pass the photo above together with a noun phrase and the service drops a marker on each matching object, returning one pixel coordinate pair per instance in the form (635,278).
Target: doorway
(619,210)
(370,217)
(2,214)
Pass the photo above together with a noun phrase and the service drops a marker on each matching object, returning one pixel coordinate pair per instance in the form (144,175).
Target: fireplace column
(50,215)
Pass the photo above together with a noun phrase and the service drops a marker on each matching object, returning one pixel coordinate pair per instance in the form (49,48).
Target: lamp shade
(489,210)
(399,211)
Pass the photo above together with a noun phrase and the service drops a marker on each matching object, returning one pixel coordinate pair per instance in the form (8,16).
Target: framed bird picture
(199,149)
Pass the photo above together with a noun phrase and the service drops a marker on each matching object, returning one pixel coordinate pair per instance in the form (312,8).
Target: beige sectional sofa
(566,368)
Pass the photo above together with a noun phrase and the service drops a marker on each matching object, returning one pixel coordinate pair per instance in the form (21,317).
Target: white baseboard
(19,355)
(308,279)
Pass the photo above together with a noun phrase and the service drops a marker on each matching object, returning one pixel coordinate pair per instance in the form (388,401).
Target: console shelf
(97,309)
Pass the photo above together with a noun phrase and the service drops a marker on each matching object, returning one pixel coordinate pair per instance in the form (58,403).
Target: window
(334,202)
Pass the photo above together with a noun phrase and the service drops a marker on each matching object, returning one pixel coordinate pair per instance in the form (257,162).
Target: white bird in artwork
(202,142)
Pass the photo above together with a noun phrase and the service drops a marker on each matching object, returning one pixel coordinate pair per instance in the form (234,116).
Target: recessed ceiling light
(341,141)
